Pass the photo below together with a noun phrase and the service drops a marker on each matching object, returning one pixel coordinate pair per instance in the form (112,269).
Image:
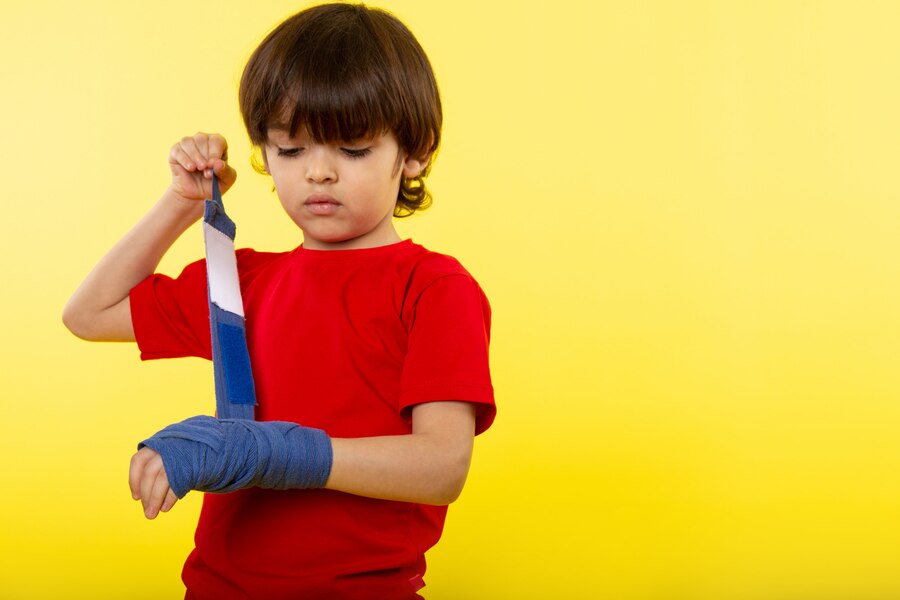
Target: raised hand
(194,159)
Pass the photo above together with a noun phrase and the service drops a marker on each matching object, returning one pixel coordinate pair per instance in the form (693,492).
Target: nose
(320,166)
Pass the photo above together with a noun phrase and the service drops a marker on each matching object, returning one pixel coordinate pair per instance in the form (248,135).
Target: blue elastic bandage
(235,395)
(224,455)
(234,451)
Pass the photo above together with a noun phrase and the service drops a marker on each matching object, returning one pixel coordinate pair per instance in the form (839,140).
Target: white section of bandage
(221,267)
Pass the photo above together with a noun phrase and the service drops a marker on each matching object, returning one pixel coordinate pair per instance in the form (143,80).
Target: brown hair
(343,72)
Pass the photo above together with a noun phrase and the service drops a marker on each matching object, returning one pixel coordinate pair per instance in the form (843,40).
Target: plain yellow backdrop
(686,217)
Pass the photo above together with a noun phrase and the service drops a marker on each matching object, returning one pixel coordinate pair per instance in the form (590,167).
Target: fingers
(194,159)
(149,483)
(226,175)
(136,470)
(169,502)
(159,491)
(199,152)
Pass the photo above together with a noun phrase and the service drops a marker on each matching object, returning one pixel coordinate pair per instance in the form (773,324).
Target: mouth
(321,204)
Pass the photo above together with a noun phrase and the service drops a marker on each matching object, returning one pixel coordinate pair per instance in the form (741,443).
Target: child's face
(341,195)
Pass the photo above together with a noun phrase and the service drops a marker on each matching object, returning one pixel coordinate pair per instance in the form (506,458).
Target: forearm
(98,310)
(428,468)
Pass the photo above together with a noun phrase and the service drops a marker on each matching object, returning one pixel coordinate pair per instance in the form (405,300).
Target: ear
(413,167)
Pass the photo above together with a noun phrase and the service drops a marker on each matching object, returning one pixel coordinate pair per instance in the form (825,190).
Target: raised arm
(99,310)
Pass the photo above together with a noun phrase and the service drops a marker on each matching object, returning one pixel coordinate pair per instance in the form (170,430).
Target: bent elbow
(450,495)
(74,321)
(451,484)
(94,324)
(81,322)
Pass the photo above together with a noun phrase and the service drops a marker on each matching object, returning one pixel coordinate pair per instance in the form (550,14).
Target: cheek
(283,193)
(282,182)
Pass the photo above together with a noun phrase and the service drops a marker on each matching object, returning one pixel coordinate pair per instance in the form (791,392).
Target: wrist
(223,455)
(186,207)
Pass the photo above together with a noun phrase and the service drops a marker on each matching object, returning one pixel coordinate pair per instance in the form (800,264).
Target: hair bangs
(334,109)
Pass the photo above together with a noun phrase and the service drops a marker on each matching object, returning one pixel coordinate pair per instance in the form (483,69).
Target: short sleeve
(171,316)
(447,353)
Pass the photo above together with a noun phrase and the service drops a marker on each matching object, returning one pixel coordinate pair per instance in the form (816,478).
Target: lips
(321,204)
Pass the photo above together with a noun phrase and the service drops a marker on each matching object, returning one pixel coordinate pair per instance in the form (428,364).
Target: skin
(359,180)
(342,197)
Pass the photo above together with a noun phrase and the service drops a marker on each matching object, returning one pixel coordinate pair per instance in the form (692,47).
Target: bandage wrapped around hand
(223,455)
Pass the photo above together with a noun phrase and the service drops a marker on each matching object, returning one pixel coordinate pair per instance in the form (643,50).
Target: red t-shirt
(346,341)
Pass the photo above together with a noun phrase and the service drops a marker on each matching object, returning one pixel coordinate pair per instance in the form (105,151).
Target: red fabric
(346,341)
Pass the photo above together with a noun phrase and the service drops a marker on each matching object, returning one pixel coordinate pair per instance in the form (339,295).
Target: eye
(356,152)
(289,152)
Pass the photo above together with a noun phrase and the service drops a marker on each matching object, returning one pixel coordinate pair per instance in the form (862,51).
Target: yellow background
(686,217)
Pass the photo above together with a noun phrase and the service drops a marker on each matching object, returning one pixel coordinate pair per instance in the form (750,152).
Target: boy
(369,353)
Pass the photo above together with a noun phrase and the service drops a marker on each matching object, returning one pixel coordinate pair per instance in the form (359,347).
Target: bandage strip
(224,455)
(235,394)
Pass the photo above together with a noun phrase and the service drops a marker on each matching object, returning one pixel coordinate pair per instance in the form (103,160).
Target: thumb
(169,502)
(226,174)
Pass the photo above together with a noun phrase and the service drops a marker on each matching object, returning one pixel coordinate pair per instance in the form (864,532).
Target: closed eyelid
(356,152)
(288,151)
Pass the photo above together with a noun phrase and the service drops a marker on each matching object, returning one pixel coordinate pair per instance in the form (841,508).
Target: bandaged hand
(223,455)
